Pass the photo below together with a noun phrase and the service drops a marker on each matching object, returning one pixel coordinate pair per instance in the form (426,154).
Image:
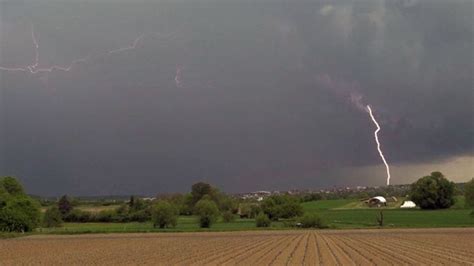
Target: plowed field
(328,247)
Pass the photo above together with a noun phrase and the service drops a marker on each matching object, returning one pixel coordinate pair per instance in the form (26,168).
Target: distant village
(334,193)
(324,193)
(372,196)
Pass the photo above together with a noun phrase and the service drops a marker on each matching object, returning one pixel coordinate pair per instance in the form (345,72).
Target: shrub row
(106,216)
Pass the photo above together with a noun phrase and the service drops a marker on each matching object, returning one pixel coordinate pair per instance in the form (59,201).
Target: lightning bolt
(131,47)
(35,43)
(350,90)
(378,143)
(35,68)
(177,77)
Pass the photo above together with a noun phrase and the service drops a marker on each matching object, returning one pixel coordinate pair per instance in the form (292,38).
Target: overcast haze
(246,95)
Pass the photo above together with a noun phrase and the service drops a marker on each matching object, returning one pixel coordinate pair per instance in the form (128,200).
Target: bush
(248,210)
(228,216)
(262,220)
(433,192)
(120,215)
(20,214)
(254,210)
(311,197)
(137,204)
(123,209)
(11,186)
(281,206)
(124,213)
(105,216)
(52,217)
(164,215)
(227,203)
(269,208)
(207,211)
(469,193)
(290,209)
(12,220)
(186,208)
(78,216)
(201,189)
(137,216)
(312,221)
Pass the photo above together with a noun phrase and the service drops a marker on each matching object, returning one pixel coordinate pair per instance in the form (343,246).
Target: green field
(364,218)
(354,214)
(315,206)
(338,214)
(185,224)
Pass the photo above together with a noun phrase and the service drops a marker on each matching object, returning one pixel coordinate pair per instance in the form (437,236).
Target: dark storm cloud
(250,111)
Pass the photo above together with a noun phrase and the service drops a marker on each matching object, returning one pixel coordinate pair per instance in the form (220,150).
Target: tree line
(204,201)
(21,213)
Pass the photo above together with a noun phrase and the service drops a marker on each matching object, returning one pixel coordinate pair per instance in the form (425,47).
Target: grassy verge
(5,235)
(185,224)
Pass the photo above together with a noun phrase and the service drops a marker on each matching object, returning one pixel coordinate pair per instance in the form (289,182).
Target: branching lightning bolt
(378,143)
(131,47)
(35,68)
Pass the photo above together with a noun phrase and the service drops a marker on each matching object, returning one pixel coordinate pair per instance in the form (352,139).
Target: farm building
(408,204)
(377,201)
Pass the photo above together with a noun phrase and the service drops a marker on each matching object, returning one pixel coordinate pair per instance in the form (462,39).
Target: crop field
(298,247)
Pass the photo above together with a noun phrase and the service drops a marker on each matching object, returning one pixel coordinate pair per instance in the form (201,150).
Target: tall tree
(207,211)
(200,189)
(64,205)
(11,186)
(52,217)
(164,214)
(433,192)
(18,211)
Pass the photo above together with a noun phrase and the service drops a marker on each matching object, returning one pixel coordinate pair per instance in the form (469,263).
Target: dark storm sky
(263,98)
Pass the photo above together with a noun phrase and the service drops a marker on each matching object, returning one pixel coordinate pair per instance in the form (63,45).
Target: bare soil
(309,247)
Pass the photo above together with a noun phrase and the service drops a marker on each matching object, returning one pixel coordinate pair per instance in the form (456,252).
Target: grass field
(185,224)
(351,214)
(398,218)
(338,214)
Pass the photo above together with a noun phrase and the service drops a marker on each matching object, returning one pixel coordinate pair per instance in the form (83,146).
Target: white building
(408,204)
(377,201)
